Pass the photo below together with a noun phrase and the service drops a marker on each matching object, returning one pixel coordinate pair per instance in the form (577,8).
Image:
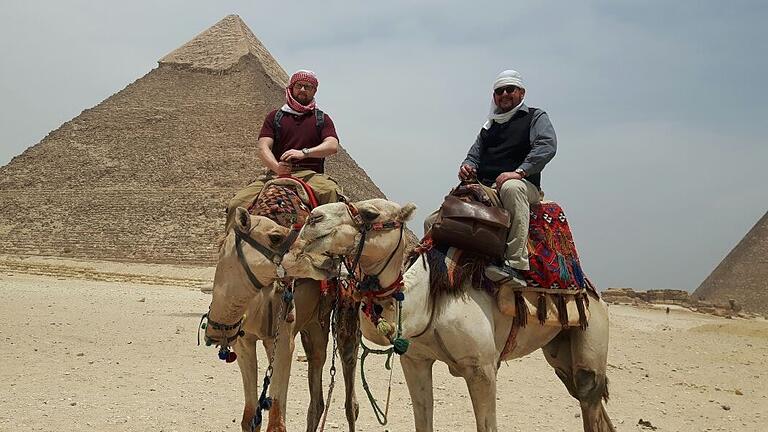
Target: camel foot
(276,421)
(246,423)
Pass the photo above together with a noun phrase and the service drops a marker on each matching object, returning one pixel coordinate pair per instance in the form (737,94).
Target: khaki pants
(326,191)
(516,197)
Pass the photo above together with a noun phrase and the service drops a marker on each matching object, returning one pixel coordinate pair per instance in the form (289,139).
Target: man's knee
(514,186)
(236,202)
(326,189)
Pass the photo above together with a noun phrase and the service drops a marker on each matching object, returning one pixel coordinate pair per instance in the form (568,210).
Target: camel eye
(369,215)
(315,218)
(275,238)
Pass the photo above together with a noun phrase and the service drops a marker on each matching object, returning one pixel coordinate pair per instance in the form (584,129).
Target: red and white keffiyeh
(292,105)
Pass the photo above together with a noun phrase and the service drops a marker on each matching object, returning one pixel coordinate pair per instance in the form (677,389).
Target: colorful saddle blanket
(551,250)
(286,201)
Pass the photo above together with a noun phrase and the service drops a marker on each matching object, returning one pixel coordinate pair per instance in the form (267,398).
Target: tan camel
(467,332)
(267,318)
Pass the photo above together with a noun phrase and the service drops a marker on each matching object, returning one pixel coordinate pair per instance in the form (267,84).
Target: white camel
(238,294)
(467,331)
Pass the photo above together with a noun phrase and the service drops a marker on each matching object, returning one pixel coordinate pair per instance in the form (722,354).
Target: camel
(272,320)
(466,331)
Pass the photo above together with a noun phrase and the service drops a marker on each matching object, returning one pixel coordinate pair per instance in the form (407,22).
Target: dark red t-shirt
(298,132)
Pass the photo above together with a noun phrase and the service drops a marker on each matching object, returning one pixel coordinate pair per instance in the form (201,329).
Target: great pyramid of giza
(743,274)
(145,175)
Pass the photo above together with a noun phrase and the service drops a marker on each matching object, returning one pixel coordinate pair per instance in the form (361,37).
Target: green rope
(399,346)
(381,415)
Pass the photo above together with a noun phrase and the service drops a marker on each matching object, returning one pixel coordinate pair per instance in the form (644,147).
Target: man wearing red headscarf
(295,140)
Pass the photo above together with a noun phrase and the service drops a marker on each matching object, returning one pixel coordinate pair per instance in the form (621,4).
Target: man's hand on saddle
(467,172)
(292,155)
(503,177)
(283,168)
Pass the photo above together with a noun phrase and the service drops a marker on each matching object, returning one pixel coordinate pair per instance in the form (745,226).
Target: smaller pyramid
(220,48)
(743,274)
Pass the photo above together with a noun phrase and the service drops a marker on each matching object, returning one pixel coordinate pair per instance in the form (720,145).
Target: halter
(370,284)
(275,256)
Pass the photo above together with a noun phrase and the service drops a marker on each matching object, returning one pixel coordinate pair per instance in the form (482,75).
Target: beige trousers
(516,197)
(325,187)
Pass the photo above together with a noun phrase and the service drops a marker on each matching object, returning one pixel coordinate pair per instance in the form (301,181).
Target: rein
(371,288)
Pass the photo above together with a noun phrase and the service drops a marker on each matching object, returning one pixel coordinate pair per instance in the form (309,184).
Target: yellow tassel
(384,328)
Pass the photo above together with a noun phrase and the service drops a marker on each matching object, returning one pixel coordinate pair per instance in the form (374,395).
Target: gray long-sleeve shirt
(543,144)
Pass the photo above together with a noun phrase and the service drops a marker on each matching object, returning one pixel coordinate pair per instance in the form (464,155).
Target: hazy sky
(659,106)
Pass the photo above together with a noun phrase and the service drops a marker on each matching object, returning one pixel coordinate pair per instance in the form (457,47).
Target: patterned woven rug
(551,251)
(284,201)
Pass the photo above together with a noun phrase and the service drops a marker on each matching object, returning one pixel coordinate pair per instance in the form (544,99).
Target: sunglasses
(304,86)
(508,89)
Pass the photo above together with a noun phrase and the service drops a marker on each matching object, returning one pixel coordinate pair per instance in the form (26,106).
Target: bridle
(369,285)
(274,255)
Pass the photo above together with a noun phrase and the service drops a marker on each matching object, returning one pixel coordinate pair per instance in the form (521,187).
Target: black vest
(504,147)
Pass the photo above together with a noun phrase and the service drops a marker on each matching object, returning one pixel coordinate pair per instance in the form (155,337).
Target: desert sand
(112,347)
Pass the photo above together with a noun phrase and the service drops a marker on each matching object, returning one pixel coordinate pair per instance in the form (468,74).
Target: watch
(521,172)
(305,151)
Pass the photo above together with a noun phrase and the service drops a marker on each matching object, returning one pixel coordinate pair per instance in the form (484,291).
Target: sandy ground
(112,347)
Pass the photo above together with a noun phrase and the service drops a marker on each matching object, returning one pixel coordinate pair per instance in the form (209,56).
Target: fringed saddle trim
(581,299)
(541,308)
(521,310)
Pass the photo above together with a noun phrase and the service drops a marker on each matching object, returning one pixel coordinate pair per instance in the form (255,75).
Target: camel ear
(406,212)
(369,215)
(242,220)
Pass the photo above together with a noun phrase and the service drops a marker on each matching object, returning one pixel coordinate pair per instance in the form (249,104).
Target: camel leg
(481,382)
(283,347)
(418,377)
(314,338)
(245,347)
(348,325)
(580,358)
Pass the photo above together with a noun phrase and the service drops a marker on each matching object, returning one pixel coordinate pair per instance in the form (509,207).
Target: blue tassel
(256,421)
(399,296)
(578,273)
(223,354)
(565,277)
(287,296)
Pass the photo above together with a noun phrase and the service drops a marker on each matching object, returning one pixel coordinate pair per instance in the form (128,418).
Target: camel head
(337,229)
(262,243)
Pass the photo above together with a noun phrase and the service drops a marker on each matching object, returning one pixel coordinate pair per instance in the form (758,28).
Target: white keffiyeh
(506,78)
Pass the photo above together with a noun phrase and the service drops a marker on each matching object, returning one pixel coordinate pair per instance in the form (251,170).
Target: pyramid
(743,274)
(145,175)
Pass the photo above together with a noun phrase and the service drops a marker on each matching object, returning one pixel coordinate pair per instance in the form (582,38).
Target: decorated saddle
(556,288)
(285,200)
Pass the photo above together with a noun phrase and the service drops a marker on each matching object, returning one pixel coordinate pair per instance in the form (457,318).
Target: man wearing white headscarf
(511,150)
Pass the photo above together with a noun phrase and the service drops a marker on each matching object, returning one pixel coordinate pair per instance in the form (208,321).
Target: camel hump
(284,200)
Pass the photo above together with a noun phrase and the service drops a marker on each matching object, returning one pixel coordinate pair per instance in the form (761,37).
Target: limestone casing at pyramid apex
(221,46)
